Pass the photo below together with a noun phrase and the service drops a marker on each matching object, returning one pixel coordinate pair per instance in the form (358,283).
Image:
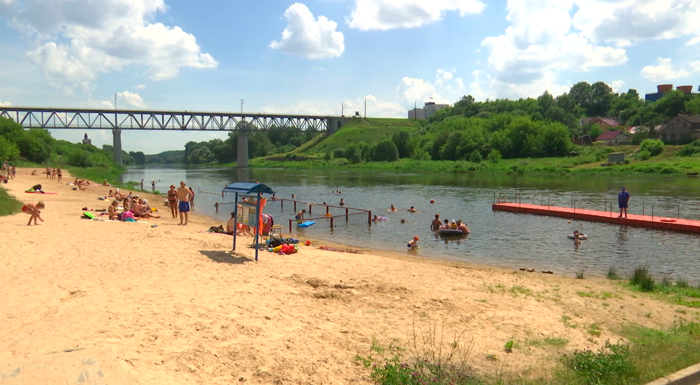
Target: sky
(316,56)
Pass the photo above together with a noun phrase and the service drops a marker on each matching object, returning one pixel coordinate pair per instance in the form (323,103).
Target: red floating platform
(664,223)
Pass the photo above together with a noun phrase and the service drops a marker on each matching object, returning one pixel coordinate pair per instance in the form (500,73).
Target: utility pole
(115,101)
(242,102)
(342,110)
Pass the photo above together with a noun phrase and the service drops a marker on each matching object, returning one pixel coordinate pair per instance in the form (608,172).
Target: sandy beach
(171,305)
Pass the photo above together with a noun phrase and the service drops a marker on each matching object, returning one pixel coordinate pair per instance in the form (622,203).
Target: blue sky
(313,56)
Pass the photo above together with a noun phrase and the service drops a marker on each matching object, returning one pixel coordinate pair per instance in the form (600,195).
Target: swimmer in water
(392,208)
(412,210)
(342,202)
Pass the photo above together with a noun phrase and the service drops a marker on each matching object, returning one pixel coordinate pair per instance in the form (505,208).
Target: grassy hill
(370,131)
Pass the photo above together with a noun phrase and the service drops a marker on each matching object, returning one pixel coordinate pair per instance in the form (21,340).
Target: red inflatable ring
(667,220)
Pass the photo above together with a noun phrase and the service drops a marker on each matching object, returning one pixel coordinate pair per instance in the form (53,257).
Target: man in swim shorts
(623,199)
(183,194)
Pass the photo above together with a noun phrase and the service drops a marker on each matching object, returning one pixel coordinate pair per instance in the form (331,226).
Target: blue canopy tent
(250,189)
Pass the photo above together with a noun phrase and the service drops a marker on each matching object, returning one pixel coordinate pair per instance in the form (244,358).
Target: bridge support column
(117,144)
(242,160)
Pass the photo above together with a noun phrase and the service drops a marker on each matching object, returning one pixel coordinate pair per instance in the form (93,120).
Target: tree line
(38,146)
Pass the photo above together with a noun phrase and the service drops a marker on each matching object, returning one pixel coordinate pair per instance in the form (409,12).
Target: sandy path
(175,307)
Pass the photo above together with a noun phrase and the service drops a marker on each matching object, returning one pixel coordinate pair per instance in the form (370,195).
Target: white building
(426,112)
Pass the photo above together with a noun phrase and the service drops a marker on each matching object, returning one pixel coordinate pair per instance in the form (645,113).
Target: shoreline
(170,304)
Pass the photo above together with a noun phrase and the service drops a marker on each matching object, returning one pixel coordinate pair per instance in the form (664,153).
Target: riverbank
(169,304)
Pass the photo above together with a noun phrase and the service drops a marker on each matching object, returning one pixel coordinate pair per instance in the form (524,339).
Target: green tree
(385,151)
(600,99)
(475,157)
(654,146)
(139,158)
(693,105)
(672,103)
(402,140)
(494,156)
(8,150)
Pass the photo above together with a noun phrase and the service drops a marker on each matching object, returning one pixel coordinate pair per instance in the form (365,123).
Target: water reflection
(497,238)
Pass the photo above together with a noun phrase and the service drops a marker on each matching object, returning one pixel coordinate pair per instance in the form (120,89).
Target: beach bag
(36,187)
(128,215)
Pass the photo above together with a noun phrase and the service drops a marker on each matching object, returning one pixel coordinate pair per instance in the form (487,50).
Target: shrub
(328,156)
(644,155)
(475,157)
(690,149)
(681,283)
(494,156)
(654,146)
(638,275)
(339,153)
(609,365)
(612,273)
(419,154)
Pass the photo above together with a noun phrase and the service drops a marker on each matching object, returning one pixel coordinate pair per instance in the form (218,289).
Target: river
(497,238)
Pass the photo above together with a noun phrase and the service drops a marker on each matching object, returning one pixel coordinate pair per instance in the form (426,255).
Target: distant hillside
(167,157)
(370,131)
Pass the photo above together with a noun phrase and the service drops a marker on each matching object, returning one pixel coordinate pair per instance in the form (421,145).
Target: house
(681,127)
(604,123)
(613,138)
(584,140)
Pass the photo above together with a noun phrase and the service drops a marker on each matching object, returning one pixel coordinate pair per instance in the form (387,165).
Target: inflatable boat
(451,232)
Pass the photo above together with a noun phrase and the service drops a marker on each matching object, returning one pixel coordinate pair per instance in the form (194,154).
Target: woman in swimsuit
(60,175)
(172,200)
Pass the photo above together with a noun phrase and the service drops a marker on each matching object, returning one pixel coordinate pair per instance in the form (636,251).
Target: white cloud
(539,44)
(663,71)
(6,6)
(617,85)
(390,14)
(140,87)
(79,39)
(695,66)
(375,108)
(626,22)
(318,68)
(106,104)
(130,100)
(446,89)
(5,104)
(309,37)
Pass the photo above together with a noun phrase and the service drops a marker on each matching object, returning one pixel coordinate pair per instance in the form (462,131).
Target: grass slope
(370,131)
(8,204)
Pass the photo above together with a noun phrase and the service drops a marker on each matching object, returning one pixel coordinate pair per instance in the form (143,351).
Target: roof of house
(608,135)
(609,122)
(691,118)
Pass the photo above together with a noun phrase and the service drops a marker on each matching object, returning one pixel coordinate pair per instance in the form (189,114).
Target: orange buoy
(667,220)
(432,201)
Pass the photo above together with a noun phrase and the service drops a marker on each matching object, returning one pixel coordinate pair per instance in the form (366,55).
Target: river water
(497,238)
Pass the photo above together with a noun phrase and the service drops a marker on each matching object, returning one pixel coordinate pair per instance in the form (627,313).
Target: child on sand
(33,210)
(413,244)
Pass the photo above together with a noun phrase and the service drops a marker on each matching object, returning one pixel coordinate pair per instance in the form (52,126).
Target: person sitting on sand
(300,216)
(435,225)
(111,194)
(34,211)
(142,210)
(392,208)
(342,202)
(83,187)
(412,210)
(463,227)
(413,243)
(33,172)
(105,183)
(112,210)
(229,224)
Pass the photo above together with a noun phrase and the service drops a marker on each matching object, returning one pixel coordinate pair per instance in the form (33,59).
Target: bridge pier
(242,159)
(117,146)
(334,124)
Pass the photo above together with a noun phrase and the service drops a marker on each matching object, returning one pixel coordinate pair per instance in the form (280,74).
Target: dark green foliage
(644,155)
(402,141)
(494,156)
(8,204)
(654,146)
(690,149)
(339,153)
(612,273)
(8,150)
(384,151)
(639,274)
(475,156)
(610,365)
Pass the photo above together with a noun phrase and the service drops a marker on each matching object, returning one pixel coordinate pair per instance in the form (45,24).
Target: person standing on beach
(153,185)
(172,200)
(141,184)
(60,175)
(183,194)
(623,199)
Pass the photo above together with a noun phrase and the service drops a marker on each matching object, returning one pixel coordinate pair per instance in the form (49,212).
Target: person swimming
(412,210)
(342,202)
(392,208)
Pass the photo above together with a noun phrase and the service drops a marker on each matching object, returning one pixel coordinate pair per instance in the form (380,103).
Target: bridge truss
(69,118)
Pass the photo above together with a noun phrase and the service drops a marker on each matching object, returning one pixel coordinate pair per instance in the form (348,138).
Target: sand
(171,305)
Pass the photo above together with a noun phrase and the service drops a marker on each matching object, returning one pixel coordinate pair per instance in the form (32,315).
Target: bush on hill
(690,149)
(654,146)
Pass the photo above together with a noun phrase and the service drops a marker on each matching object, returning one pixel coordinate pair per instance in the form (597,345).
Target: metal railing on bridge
(86,118)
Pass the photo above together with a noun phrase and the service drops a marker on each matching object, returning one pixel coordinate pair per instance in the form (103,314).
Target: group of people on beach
(132,207)
(8,172)
(53,173)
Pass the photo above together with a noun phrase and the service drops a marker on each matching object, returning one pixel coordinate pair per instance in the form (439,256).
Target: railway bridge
(118,120)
